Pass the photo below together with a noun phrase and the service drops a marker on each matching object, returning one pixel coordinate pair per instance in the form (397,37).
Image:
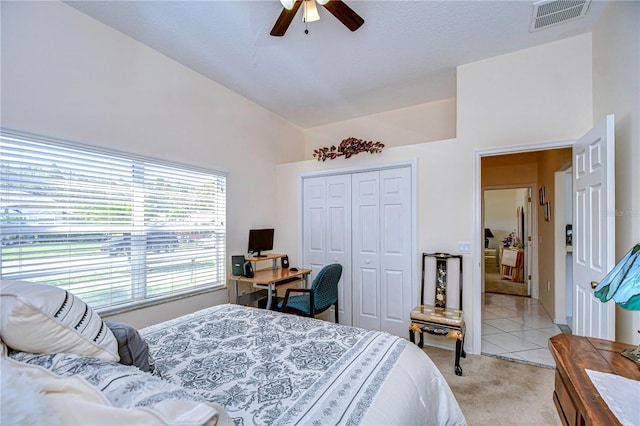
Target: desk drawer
(566,408)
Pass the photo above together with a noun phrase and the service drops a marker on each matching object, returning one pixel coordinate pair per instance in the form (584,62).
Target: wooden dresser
(576,398)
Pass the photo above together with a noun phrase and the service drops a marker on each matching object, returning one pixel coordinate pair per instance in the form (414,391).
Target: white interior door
(327,232)
(365,189)
(395,250)
(314,220)
(593,229)
(364,221)
(338,237)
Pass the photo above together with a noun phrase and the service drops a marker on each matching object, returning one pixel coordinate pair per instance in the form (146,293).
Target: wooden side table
(513,264)
(575,396)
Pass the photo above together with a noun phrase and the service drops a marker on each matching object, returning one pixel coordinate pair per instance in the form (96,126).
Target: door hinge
(528,237)
(528,199)
(529,277)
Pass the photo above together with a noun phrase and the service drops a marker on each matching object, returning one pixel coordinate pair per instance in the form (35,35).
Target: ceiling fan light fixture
(310,11)
(337,8)
(288,4)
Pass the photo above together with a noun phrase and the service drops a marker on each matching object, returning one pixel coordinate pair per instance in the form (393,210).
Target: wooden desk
(270,279)
(575,396)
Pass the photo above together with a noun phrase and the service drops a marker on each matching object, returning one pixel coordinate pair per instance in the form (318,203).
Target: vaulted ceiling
(405,54)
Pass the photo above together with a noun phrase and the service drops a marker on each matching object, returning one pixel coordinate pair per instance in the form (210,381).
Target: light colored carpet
(494,391)
(493,283)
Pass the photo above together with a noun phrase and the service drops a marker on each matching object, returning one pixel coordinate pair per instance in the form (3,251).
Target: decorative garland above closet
(348,147)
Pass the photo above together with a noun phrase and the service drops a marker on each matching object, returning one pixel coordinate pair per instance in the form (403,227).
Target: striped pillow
(44,319)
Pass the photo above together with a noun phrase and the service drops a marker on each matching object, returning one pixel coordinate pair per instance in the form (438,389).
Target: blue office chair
(322,294)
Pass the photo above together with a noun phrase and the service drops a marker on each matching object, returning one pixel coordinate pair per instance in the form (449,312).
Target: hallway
(516,327)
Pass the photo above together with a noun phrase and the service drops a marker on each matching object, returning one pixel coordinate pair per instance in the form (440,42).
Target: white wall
(538,94)
(497,105)
(432,121)
(568,190)
(562,294)
(66,75)
(500,212)
(530,96)
(616,90)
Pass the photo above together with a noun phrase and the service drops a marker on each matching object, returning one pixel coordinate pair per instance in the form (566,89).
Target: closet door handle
(368,261)
(335,260)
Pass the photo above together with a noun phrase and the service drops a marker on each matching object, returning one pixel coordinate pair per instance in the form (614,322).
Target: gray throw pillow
(132,348)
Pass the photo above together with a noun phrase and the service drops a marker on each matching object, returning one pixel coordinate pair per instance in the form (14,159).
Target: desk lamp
(622,284)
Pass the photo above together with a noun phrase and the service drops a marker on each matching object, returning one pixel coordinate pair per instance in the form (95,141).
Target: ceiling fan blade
(345,14)
(284,20)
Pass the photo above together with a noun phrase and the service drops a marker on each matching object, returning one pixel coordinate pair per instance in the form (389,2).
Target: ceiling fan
(344,13)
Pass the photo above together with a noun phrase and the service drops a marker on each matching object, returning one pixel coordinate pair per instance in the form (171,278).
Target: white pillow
(76,401)
(44,319)
(23,402)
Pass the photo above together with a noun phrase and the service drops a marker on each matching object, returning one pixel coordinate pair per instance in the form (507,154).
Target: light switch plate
(464,247)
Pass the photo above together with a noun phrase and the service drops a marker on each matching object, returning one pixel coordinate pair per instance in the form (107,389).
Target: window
(115,229)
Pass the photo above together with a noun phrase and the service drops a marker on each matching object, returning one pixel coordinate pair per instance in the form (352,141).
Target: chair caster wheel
(458,370)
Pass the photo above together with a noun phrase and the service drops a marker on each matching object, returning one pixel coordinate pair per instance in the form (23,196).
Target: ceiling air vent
(552,12)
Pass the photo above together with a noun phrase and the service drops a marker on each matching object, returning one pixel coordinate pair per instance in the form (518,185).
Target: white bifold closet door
(327,232)
(381,244)
(364,222)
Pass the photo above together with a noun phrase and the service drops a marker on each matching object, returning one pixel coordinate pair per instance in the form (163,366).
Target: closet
(364,221)
(326,231)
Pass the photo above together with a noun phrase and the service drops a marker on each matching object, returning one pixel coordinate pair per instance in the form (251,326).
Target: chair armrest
(299,290)
(296,290)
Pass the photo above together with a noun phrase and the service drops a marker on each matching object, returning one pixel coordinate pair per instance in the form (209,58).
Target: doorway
(595,147)
(516,189)
(517,167)
(507,231)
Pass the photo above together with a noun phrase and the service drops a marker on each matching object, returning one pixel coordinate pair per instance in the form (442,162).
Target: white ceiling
(405,54)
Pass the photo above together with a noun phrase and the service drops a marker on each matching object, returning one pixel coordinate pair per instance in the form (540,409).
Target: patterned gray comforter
(270,368)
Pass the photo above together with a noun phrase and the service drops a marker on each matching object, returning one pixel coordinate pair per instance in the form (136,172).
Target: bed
(265,367)
(260,367)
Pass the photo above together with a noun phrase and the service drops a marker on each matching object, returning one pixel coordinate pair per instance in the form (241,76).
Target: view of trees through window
(112,228)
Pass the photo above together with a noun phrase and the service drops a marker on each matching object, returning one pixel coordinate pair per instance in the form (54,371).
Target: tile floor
(517,327)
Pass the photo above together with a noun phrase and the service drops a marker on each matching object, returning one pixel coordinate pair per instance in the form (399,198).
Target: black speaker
(285,262)
(237,265)
(248,270)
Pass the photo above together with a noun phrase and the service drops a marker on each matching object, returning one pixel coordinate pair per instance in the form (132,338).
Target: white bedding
(266,368)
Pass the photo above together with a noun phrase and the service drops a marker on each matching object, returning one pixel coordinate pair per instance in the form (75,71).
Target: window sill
(105,312)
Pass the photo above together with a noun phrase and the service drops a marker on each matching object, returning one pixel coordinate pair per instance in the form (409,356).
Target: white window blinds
(112,228)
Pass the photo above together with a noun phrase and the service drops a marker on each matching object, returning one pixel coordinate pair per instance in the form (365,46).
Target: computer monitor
(260,240)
